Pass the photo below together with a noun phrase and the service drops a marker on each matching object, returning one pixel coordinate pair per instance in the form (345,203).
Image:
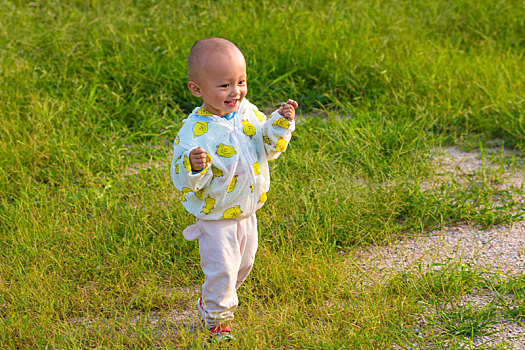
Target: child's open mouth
(232,103)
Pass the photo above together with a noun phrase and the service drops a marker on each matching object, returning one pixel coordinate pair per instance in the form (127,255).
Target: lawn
(93,94)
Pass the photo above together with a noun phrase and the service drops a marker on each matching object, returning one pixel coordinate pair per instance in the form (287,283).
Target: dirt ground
(499,250)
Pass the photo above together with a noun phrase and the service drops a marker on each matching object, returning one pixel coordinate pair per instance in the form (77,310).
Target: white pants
(227,249)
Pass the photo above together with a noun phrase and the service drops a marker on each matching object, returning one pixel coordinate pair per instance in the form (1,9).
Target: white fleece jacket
(236,179)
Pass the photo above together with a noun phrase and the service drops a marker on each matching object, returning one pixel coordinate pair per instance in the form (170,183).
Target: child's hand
(198,159)
(288,109)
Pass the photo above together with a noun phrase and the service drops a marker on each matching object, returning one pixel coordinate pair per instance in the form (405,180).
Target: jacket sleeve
(181,173)
(277,132)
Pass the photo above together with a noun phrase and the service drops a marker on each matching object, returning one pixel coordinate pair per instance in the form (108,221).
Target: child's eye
(242,82)
(224,85)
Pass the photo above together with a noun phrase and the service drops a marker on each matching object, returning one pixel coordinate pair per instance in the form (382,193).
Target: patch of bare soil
(499,250)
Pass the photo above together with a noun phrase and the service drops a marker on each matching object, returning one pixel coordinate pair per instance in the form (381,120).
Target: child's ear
(194,88)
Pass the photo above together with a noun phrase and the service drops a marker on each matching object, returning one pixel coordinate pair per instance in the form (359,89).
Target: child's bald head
(205,51)
(217,75)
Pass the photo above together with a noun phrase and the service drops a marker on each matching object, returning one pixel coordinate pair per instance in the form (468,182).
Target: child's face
(221,83)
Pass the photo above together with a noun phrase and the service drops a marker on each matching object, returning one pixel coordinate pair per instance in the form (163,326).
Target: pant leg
(227,249)
(249,241)
(220,260)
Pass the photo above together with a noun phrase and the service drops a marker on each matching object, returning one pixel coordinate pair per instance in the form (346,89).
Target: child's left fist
(288,109)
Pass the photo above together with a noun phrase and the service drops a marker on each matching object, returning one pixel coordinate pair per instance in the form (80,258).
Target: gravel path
(500,249)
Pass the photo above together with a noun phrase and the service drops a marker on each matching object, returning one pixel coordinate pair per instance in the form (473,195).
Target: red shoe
(221,333)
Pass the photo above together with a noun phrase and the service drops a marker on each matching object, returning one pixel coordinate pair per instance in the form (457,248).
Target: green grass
(93,94)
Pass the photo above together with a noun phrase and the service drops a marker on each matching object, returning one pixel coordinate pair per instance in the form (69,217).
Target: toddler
(220,164)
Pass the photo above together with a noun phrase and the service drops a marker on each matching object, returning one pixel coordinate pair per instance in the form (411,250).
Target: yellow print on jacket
(177,140)
(282,122)
(177,165)
(185,191)
(232,213)
(225,151)
(248,128)
(210,204)
(256,168)
(204,113)
(199,193)
(266,140)
(200,128)
(232,184)
(216,172)
(259,115)
(263,197)
(280,146)
(187,164)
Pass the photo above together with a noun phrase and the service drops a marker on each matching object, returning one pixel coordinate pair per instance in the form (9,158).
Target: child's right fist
(287,109)
(197,159)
